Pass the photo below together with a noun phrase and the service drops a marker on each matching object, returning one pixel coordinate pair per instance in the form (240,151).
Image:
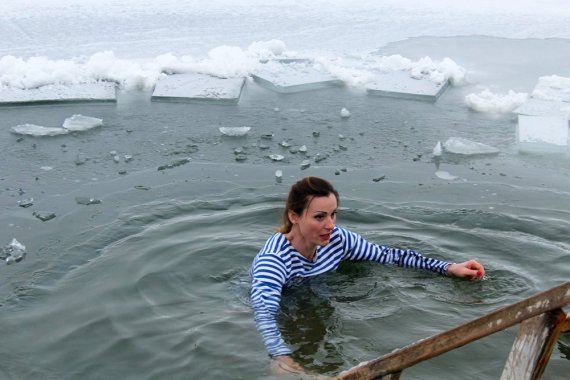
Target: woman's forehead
(327,203)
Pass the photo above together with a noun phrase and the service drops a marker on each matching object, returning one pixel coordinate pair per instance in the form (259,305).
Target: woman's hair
(301,194)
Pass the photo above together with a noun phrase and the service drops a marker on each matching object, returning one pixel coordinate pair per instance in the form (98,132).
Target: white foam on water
(487,101)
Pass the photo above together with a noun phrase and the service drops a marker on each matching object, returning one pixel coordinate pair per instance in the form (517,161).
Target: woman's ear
(293,217)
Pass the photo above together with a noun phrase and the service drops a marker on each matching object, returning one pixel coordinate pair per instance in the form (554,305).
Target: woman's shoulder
(276,244)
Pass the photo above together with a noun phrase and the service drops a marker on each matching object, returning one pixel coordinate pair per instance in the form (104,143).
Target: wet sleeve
(359,249)
(268,278)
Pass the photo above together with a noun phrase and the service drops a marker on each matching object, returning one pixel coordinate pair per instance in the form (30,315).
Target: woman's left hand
(470,269)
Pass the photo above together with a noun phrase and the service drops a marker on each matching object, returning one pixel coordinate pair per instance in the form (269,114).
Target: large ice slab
(198,87)
(543,123)
(288,76)
(400,84)
(91,92)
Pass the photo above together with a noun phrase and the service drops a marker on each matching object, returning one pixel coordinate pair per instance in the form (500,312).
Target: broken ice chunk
(458,145)
(437,149)
(87,201)
(445,175)
(234,131)
(13,252)
(276,157)
(37,130)
(278,175)
(25,203)
(344,113)
(305,164)
(44,217)
(174,164)
(78,123)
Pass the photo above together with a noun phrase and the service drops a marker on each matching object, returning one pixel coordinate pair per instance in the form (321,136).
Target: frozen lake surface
(158,214)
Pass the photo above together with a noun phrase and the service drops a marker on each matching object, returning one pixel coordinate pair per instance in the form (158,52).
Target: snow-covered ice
(294,76)
(198,87)
(402,84)
(102,91)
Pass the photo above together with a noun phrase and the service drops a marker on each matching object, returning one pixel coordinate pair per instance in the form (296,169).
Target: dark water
(152,282)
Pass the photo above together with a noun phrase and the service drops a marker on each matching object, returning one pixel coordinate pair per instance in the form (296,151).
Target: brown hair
(301,194)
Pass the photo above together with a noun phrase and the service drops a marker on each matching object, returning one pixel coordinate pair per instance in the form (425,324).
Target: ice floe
(234,131)
(199,87)
(458,145)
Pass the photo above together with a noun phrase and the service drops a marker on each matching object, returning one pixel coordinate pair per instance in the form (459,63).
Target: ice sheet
(543,130)
(198,87)
(293,76)
(401,84)
(102,91)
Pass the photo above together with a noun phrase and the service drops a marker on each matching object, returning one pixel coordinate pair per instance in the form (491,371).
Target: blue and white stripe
(278,264)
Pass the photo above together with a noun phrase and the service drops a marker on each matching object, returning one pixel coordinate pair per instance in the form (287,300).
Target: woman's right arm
(269,276)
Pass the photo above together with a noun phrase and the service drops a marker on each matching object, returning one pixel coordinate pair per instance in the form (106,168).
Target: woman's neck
(303,247)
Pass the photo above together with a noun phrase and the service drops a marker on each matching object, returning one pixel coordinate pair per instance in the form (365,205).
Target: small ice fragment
(320,157)
(340,136)
(293,150)
(234,131)
(46,168)
(303,149)
(78,123)
(278,175)
(437,149)
(37,130)
(44,217)
(141,187)
(175,164)
(378,179)
(342,147)
(241,157)
(305,164)
(316,134)
(128,157)
(267,136)
(13,252)
(87,201)
(276,109)
(344,113)
(463,146)
(79,160)
(263,147)
(284,144)
(117,159)
(113,153)
(276,157)
(445,175)
(25,203)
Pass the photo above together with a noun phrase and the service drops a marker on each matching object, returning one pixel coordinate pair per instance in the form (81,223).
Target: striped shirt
(278,264)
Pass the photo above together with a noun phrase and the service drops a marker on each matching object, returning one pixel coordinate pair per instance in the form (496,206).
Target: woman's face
(317,220)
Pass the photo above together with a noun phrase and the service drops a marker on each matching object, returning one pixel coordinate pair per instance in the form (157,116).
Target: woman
(309,243)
